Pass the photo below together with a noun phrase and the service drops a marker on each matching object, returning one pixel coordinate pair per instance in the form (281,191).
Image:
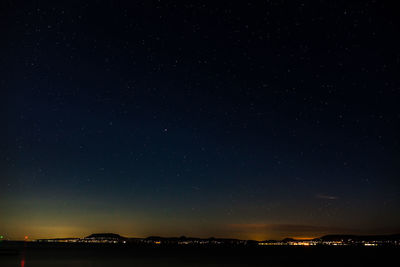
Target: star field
(245,120)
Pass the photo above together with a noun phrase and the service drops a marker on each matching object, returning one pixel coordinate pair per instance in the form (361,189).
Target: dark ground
(35,255)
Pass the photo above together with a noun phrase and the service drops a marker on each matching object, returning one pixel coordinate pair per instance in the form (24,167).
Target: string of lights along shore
(247,120)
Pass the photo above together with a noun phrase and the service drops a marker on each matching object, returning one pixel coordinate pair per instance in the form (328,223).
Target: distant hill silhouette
(115,238)
(339,237)
(359,237)
(105,236)
(288,240)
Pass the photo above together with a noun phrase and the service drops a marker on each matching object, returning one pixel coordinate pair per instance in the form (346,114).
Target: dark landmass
(132,254)
(334,240)
(393,237)
(106,236)
(109,249)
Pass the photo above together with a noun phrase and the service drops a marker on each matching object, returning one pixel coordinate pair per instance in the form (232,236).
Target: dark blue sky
(248,120)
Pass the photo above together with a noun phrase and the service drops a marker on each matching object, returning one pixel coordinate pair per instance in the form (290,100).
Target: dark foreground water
(62,256)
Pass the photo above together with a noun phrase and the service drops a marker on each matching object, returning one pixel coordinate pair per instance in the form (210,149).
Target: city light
(115,239)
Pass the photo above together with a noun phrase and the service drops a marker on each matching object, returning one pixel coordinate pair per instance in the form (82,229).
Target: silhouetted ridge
(105,236)
(359,237)
(288,240)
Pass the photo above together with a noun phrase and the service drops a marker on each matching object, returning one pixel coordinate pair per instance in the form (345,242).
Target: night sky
(252,120)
